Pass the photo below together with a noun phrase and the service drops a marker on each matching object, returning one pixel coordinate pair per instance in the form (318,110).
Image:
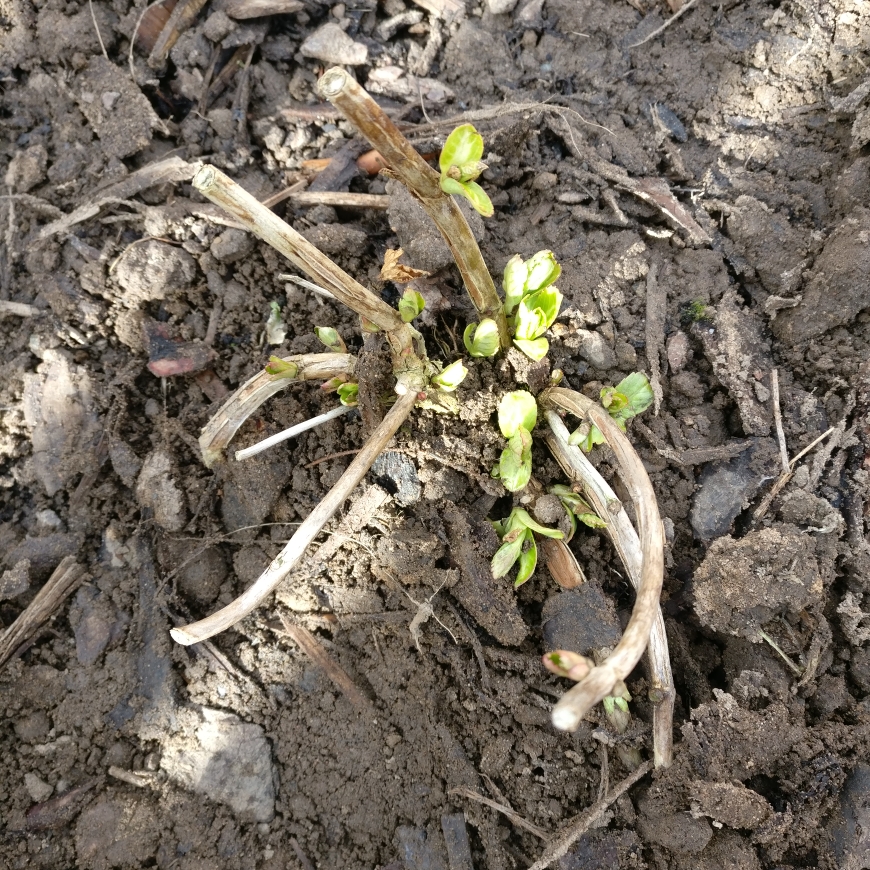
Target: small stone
(580,619)
(157,491)
(37,789)
(501,7)
(125,462)
(201,578)
(117,833)
(15,581)
(217,26)
(679,351)
(108,99)
(228,761)
(33,728)
(27,169)
(99,624)
(331,44)
(593,347)
(232,245)
(153,270)
(678,832)
(397,474)
(334,239)
(44,553)
(734,805)
(548,510)
(222,123)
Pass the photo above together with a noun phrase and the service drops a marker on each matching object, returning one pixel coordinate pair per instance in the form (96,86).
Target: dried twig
(220,430)
(62,583)
(777,419)
(312,648)
(568,713)
(627,544)
(340,199)
(287,559)
(656,302)
(181,17)
(575,829)
(665,26)
(411,169)
(292,432)
(513,815)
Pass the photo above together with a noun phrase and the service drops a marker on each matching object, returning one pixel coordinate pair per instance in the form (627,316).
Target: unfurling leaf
(460,165)
(330,337)
(348,394)
(519,530)
(516,409)
(393,270)
(536,349)
(280,368)
(410,305)
(450,377)
(527,561)
(275,327)
(515,469)
(481,339)
(522,277)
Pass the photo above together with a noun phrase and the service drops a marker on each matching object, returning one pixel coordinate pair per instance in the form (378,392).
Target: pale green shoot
(517,415)
(481,339)
(410,305)
(330,337)
(577,508)
(517,533)
(276,329)
(348,394)
(279,368)
(460,165)
(630,397)
(449,378)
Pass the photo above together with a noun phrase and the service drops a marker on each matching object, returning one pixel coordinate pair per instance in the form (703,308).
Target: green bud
(330,337)
(481,339)
(410,305)
(280,368)
(450,377)
(348,394)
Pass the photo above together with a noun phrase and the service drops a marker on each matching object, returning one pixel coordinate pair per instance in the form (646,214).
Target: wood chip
(242,9)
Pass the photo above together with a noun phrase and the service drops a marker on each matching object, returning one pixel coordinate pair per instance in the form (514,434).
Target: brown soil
(756,116)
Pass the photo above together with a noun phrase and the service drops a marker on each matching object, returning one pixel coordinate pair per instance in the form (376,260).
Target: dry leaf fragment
(393,270)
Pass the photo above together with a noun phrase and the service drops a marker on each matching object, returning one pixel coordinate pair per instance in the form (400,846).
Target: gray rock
(593,347)
(501,7)
(117,833)
(837,286)
(126,463)
(201,579)
(38,789)
(228,761)
(27,169)
(678,832)
(397,474)
(97,624)
(59,412)
(580,620)
(419,851)
(152,270)
(335,239)
(251,489)
(232,245)
(15,581)
(725,488)
(157,491)
(849,828)
(331,44)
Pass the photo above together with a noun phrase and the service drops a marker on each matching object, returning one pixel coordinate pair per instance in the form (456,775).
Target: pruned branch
(603,499)
(287,559)
(337,86)
(219,431)
(577,701)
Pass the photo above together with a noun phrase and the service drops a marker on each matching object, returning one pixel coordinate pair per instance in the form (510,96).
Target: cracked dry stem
(412,170)
(286,560)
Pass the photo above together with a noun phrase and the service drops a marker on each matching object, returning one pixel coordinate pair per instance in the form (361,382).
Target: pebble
(99,624)
(580,619)
(228,761)
(44,553)
(418,850)
(152,270)
(37,788)
(232,245)
(33,728)
(397,474)
(331,44)
(850,825)
(501,7)
(593,347)
(125,462)
(724,487)
(15,581)
(157,491)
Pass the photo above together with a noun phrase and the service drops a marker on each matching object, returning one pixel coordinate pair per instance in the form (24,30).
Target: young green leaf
(410,305)
(280,368)
(535,349)
(514,283)
(522,277)
(450,377)
(464,146)
(330,337)
(525,518)
(542,270)
(515,468)
(516,409)
(548,301)
(481,339)
(505,557)
(348,394)
(527,561)
(636,395)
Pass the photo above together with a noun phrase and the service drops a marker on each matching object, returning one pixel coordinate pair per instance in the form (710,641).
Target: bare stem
(627,544)
(412,170)
(220,430)
(292,432)
(577,701)
(287,559)
(257,218)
